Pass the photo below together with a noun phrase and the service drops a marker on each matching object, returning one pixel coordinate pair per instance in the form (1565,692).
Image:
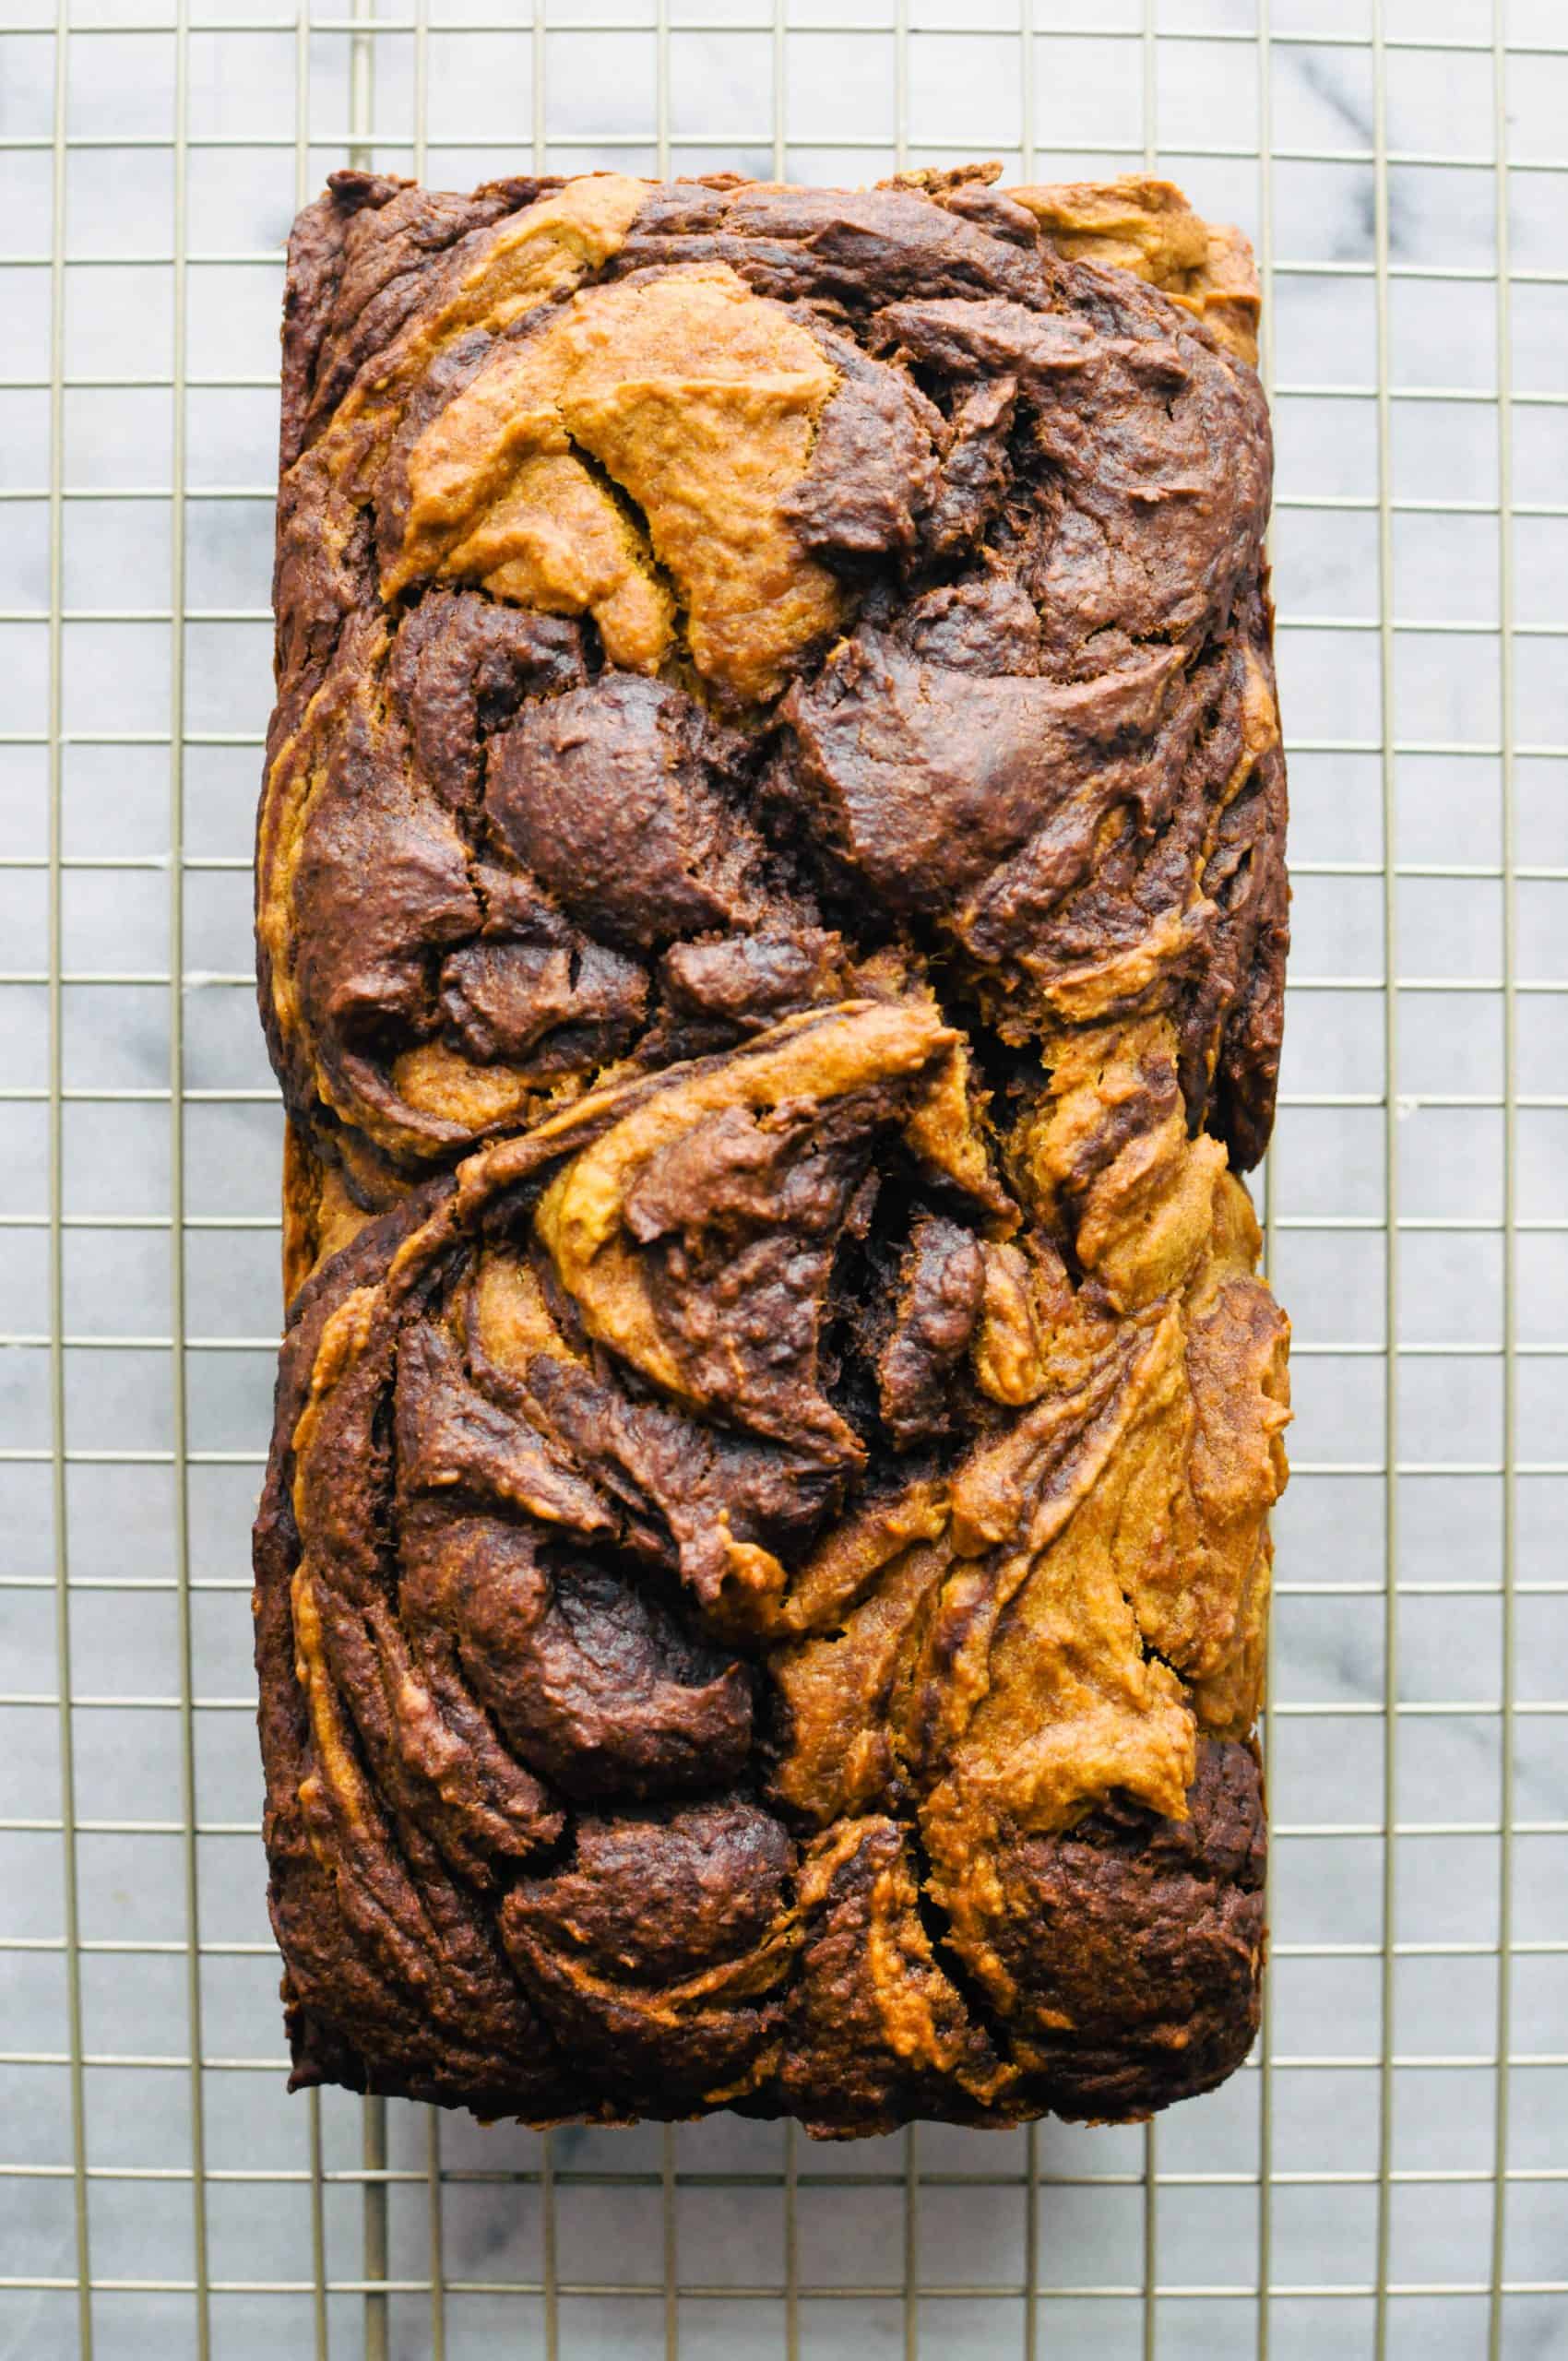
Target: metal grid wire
(1387,2171)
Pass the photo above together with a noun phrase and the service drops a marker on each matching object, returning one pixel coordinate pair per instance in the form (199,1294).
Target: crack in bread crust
(771,922)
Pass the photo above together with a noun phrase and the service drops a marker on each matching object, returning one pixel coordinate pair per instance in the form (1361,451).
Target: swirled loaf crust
(772,923)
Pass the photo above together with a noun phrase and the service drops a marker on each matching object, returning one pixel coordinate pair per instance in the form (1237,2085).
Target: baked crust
(771,917)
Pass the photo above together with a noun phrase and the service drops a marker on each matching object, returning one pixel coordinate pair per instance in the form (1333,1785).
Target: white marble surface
(1328,1161)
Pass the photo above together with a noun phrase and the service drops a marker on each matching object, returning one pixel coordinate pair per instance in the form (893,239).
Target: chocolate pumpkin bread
(772,923)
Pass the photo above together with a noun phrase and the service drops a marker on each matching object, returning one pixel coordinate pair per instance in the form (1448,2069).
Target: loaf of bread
(772,921)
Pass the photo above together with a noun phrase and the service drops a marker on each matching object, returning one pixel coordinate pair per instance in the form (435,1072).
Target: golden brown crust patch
(1145,226)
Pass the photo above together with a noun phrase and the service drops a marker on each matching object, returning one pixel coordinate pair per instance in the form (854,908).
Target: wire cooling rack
(1387,2174)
